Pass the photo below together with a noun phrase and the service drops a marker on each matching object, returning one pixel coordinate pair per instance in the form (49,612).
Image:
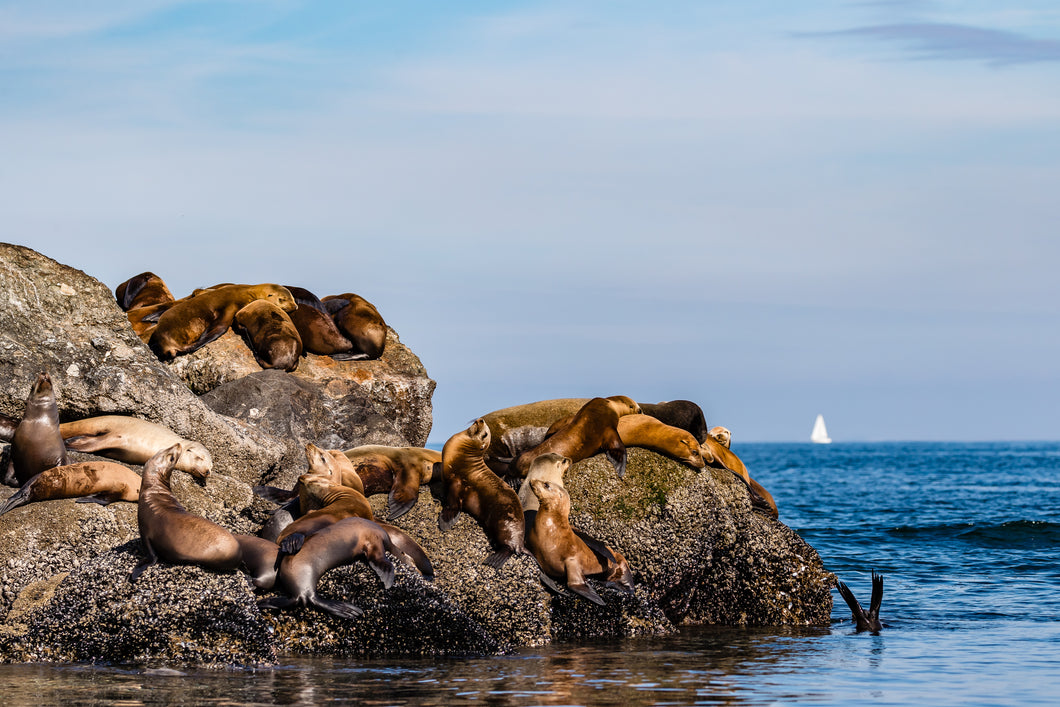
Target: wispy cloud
(938,41)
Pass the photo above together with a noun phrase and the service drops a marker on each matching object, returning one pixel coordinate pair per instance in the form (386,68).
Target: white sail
(820,434)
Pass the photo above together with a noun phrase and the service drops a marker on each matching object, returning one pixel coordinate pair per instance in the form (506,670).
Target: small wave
(1013,533)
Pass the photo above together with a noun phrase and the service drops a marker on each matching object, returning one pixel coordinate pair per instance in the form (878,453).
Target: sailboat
(820,434)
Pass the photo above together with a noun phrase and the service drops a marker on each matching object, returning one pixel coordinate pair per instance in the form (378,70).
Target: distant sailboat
(820,434)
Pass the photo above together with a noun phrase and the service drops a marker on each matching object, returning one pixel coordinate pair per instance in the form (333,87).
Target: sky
(774,209)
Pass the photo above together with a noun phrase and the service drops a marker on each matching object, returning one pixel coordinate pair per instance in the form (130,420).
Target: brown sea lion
(467,484)
(143,290)
(717,456)
(396,471)
(651,433)
(196,321)
(320,335)
(513,430)
(257,558)
(562,554)
(360,322)
(171,533)
(722,435)
(134,441)
(270,334)
(96,482)
(865,620)
(684,414)
(342,543)
(593,429)
(770,506)
(144,319)
(36,444)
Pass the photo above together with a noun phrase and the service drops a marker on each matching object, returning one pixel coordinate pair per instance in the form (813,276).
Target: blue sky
(774,209)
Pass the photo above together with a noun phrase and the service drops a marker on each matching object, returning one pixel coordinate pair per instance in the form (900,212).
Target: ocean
(965,535)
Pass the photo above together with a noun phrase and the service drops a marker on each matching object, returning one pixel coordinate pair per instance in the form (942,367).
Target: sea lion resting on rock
(722,436)
(134,441)
(36,444)
(320,335)
(396,471)
(196,321)
(90,482)
(593,429)
(143,290)
(171,533)
(564,554)
(467,484)
(360,322)
(684,414)
(651,433)
(513,430)
(270,334)
(342,543)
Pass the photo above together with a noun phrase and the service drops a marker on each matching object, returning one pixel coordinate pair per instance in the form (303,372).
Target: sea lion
(270,334)
(134,441)
(257,558)
(396,471)
(718,456)
(196,321)
(767,504)
(651,433)
(518,428)
(548,467)
(171,533)
(90,482)
(320,335)
(36,444)
(143,290)
(342,543)
(360,322)
(870,620)
(684,414)
(722,435)
(467,484)
(562,554)
(593,429)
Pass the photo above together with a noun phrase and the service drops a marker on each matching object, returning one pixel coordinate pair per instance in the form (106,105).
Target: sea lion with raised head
(684,414)
(651,433)
(270,334)
(397,471)
(134,441)
(865,620)
(36,444)
(360,322)
(467,484)
(90,482)
(170,533)
(563,554)
(593,429)
(196,321)
(548,467)
(722,435)
(343,543)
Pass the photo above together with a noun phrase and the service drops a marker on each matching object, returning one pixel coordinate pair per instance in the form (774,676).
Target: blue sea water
(966,536)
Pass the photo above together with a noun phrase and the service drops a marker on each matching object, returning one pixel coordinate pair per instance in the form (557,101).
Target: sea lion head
(196,460)
(320,462)
(706,453)
(162,463)
(722,435)
(43,391)
(550,466)
(624,405)
(281,297)
(693,451)
(553,497)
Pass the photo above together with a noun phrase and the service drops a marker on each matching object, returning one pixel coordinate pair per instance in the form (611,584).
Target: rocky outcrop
(697,550)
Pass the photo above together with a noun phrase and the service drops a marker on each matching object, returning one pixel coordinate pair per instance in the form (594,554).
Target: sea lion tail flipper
(349,356)
(19,498)
(153,316)
(343,610)
(447,518)
(276,602)
(275,494)
(401,499)
(405,547)
(497,559)
(550,584)
(385,569)
(584,590)
(877,595)
(103,499)
(856,612)
(83,443)
(292,544)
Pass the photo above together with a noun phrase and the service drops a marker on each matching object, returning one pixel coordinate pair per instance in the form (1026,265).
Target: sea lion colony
(325,521)
(279,324)
(303,540)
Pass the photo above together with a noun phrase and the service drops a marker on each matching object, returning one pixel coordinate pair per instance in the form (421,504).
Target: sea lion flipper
(877,595)
(291,545)
(529,516)
(497,559)
(10,478)
(275,494)
(404,546)
(20,497)
(857,614)
(549,583)
(447,518)
(603,552)
(83,443)
(151,559)
(385,569)
(100,498)
(401,498)
(276,602)
(616,454)
(349,356)
(341,609)
(584,590)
